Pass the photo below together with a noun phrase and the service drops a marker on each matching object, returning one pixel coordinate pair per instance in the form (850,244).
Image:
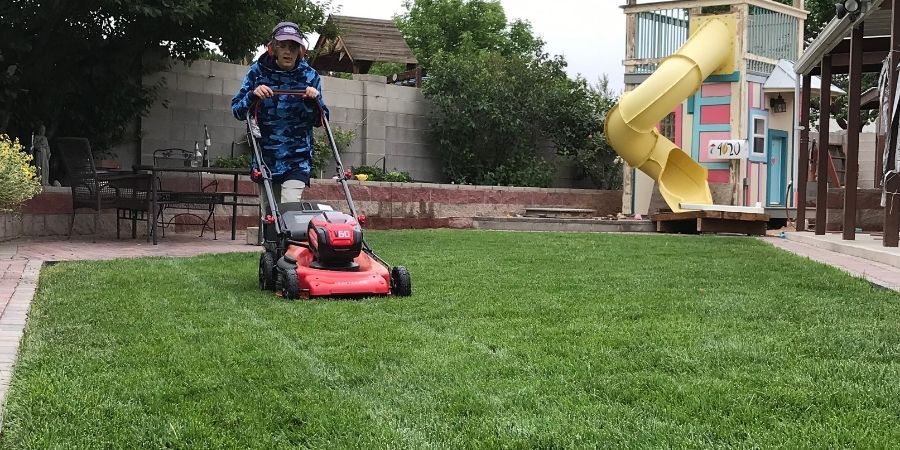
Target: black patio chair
(128,193)
(198,200)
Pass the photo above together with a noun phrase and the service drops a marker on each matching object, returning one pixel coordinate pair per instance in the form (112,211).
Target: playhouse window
(759,136)
(667,127)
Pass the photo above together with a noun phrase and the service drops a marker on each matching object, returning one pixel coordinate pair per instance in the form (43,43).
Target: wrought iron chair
(199,199)
(128,193)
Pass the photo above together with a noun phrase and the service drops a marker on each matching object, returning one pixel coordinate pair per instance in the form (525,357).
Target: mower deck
(369,278)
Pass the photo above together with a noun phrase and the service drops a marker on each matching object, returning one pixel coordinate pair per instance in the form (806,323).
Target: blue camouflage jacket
(286,122)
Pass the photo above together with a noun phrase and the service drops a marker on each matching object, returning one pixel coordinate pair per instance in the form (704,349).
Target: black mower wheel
(401,283)
(267,274)
(289,284)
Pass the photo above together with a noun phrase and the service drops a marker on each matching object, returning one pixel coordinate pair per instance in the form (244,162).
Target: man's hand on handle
(263,91)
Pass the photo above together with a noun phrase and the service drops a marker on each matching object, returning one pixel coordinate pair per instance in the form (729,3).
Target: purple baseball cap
(288,31)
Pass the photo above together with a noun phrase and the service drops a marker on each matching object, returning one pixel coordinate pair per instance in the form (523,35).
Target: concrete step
(559,212)
(557,224)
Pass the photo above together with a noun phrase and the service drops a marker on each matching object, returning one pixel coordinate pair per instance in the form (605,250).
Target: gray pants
(291,191)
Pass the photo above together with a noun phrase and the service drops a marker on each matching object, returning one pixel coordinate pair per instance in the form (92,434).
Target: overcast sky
(589,33)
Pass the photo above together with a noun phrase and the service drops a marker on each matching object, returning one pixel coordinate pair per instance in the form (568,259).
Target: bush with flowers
(18,179)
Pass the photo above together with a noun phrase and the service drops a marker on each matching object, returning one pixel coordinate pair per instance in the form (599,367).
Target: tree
(76,66)
(502,103)
(583,138)
(431,27)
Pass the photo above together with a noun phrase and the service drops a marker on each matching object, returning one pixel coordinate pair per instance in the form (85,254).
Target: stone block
(185,116)
(413,122)
(240,71)
(375,132)
(199,67)
(334,84)
(223,70)
(337,115)
(159,111)
(342,100)
(212,118)
(231,87)
(355,115)
(406,93)
(252,235)
(376,120)
(406,136)
(374,147)
(189,82)
(3,233)
(57,224)
(172,98)
(198,101)
(372,78)
(165,131)
(213,86)
(222,103)
(390,119)
(374,90)
(376,104)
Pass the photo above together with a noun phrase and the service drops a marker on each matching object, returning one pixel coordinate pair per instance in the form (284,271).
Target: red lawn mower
(313,250)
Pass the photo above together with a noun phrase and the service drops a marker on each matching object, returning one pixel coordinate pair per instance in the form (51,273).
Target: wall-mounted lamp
(778,105)
(844,7)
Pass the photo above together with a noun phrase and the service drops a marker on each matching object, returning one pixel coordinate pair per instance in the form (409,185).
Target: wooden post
(892,208)
(851,176)
(803,152)
(822,177)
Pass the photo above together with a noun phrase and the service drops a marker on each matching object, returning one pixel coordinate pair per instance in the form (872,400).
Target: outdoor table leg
(153,206)
(234,188)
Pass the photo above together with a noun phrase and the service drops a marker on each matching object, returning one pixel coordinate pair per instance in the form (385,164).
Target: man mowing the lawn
(286,122)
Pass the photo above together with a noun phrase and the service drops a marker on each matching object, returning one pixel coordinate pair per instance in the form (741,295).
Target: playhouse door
(777,168)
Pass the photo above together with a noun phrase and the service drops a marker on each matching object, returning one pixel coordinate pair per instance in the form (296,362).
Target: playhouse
(752,102)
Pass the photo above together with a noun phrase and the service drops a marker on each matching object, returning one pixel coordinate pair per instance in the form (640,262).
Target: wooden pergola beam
(891,222)
(822,172)
(851,176)
(803,156)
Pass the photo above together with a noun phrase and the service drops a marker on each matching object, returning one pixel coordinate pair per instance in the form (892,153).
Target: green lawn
(510,340)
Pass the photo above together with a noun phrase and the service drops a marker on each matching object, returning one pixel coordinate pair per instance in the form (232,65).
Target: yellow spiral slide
(631,124)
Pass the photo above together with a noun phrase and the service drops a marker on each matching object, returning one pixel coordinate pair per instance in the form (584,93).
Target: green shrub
(18,179)
(323,161)
(236,162)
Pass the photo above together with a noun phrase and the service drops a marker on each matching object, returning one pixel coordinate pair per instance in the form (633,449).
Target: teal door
(777,168)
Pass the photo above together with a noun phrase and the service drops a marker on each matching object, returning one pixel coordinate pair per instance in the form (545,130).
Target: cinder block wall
(390,122)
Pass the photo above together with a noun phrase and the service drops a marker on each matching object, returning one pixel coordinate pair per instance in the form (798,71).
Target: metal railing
(772,34)
(659,34)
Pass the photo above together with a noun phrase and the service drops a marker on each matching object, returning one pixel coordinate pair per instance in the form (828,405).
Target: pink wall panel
(679,114)
(716,90)
(753,96)
(715,114)
(761,184)
(705,137)
(719,176)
